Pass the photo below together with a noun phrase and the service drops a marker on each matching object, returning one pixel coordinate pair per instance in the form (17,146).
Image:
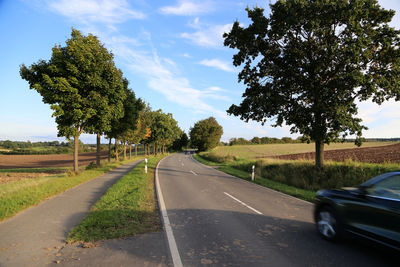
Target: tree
(309,62)
(110,94)
(121,127)
(206,134)
(164,131)
(182,142)
(69,82)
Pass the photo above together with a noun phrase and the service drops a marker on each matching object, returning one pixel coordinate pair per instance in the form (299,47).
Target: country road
(219,220)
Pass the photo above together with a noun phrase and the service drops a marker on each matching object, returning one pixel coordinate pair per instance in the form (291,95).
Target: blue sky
(171,52)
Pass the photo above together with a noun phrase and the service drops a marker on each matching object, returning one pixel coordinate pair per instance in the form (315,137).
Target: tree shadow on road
(223,237)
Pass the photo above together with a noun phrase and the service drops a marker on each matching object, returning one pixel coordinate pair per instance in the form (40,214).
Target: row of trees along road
(308,63)
(88,93)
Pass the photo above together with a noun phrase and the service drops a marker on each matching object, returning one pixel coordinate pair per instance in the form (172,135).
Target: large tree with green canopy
(308,63)
(205,134)
(74,82)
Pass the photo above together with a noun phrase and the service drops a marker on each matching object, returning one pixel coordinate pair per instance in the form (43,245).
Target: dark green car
(371,211)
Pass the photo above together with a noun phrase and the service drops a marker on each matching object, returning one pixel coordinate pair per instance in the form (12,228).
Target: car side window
(387,188)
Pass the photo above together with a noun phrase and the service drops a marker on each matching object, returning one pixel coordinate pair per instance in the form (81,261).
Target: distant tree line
(288,140)
(41,148)
(263,140)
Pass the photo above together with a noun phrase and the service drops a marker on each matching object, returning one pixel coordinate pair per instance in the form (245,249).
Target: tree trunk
(109,150)
(124,146)
(116,150)
(136,149)
(130,151)
(319,153)
(155,149)
(76,149)
(98,150)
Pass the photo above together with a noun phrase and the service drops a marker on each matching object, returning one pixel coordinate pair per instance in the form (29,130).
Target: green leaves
(310,60)
(206,134)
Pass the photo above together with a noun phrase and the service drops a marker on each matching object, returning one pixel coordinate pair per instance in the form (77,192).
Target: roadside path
(36,235)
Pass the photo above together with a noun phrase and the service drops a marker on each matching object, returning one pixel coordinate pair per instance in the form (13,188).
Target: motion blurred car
(371,211)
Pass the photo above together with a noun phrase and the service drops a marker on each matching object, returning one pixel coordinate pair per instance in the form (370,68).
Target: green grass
(37,170)
(19,195)
(128,208)
(281,187)
(300,178)
(262,151)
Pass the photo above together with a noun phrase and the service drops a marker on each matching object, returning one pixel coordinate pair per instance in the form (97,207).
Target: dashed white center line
(244,204)
(193,172)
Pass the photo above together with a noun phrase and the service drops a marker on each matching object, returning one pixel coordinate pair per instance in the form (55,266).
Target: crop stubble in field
(372,152)
(381,154)
(41,161)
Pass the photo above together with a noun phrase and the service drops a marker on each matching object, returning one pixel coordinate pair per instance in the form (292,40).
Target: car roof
(379,178)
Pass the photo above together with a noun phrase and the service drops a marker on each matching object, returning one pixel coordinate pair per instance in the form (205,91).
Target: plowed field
(381,154)
(43,161)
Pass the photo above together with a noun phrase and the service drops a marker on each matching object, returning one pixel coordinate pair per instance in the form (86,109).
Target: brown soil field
(381,154)
(43,161)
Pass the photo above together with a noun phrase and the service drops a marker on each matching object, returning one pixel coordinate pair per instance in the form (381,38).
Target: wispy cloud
(217,63)
(187,8)
(208,36)
(89,11)
(167,81)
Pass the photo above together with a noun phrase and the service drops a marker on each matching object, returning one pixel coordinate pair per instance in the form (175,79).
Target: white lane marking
(183,164)
(257,185)
(176,259)
(193,172)
(244,204)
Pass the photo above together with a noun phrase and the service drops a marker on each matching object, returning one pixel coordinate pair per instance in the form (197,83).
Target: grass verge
(36,170)
(299,178)
(128,208)
(281,187)
(19,195)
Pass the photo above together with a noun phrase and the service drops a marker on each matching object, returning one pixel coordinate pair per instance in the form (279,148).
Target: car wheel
(327,224)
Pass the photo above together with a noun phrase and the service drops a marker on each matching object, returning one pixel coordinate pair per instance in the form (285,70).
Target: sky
(171,52)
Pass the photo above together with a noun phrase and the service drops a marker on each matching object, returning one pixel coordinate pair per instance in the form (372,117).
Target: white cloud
(166,80)
(104,11)
(219,64)
(187,8)
(210,36)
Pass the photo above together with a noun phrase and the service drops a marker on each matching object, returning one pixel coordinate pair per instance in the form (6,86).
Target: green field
(262,151)
(21,194)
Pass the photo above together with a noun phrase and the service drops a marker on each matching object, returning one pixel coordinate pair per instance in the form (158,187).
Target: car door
(383,218)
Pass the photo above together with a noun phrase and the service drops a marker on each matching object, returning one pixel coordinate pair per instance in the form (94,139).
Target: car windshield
(387,188)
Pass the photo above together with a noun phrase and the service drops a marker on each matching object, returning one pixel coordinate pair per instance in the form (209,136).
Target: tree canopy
(81,84)
(206,134)
(308,63)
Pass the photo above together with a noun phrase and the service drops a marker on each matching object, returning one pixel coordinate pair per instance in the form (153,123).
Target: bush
(217,158)
(304,175)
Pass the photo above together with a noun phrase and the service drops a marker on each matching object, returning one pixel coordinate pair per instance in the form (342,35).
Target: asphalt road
(219,220)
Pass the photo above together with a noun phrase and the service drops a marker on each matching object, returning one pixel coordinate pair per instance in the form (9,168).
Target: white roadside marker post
(145,166)
(252,173)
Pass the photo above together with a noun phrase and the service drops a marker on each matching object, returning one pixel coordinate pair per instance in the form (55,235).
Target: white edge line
(176,259)
(264,187)
(244,204)
(193,172)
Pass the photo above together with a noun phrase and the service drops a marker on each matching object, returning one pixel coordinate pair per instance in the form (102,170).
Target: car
(370,211)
